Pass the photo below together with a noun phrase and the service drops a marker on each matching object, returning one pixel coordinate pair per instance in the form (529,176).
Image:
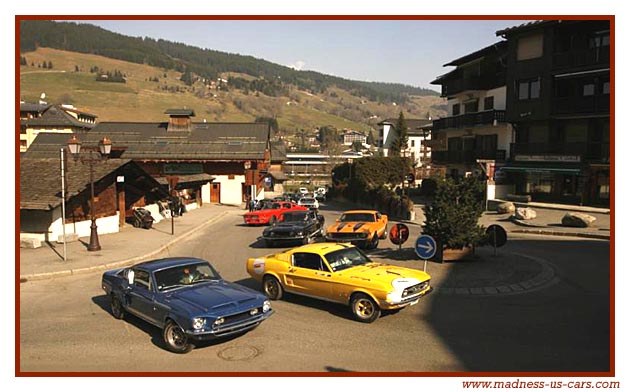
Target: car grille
(346,236)
(235,318)
(415,289)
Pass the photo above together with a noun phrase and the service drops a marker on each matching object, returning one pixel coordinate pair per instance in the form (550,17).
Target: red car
(271,212)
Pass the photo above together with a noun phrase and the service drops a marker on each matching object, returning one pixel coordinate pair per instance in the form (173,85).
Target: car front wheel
(272,288)
(175,339)
(116,306)
(364,309)
(374,242)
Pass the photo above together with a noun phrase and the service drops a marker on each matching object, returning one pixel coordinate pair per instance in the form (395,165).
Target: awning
(541,169)
(188,180)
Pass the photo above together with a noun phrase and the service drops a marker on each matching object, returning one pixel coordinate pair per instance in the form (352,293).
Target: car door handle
(322,274)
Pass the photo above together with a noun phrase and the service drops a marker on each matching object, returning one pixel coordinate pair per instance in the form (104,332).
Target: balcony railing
(470,119)
(470,156)
(594,56)
(454,86)
(588,104)
(587,151)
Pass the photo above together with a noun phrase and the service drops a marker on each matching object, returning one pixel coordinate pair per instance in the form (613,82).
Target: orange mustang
(360,227)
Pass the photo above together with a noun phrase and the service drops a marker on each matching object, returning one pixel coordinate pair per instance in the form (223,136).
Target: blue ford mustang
(185,297)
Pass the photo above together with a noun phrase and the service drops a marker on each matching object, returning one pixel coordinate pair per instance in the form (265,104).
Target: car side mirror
(130,275)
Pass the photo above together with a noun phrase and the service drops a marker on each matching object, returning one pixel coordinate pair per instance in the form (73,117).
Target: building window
(529,89)
(588,89)
(530,47)
(606,88)
(413,143)
(599,39)
(472,106)
(488,103)
(456,109)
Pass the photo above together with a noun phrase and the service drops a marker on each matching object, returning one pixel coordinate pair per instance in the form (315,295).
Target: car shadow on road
(154,332)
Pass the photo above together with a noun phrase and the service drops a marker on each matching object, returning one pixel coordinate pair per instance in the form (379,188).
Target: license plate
(413,302)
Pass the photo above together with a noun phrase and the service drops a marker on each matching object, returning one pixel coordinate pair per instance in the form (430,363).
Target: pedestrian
(251,204)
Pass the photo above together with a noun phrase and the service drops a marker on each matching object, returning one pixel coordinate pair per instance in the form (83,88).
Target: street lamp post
(104,149)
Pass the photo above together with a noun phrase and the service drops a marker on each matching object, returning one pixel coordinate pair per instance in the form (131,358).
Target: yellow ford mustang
(359,227)
(340,273)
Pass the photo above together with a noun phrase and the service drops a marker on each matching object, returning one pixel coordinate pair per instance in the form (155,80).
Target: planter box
(457,254)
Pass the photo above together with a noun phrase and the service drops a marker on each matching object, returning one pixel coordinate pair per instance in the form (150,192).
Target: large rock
(505,208)
(577,219)
(525,214)
(30,243)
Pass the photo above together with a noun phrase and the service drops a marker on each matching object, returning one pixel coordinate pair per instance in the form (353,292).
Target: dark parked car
(186,298)
(295,226)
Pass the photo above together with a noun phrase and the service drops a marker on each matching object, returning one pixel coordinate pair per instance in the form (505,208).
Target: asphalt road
(563,325)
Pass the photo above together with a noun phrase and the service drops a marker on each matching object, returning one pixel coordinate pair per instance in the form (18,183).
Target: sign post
(497,236)
(425,248)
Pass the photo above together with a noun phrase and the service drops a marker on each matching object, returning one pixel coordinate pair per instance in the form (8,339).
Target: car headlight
(393,297)
(219,321)
(299,233)
(198,323)
(266,306)
(363,235)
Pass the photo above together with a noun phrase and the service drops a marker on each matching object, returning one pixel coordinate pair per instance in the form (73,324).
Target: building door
(215,192)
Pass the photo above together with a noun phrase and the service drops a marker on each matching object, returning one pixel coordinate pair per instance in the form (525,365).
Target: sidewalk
(128,246)
(548,220)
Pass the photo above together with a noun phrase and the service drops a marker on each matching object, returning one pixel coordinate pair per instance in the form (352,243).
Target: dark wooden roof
(40,179)
(152,141)
(524,27)
(180,112)
(278,151)
(497,47)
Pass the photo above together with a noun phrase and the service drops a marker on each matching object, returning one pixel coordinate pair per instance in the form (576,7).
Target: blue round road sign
(425,247)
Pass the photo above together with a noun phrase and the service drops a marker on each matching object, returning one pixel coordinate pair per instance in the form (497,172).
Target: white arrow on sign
(428,247)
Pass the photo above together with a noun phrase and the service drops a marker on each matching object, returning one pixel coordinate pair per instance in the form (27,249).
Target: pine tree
(400,138)
(453,215)
(50,65)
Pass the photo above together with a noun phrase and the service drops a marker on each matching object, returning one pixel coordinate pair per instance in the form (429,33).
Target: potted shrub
(452,217)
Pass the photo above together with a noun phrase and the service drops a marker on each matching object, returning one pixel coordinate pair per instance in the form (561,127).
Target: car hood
(386,274)
(350,227)
(287,226)
(215,298)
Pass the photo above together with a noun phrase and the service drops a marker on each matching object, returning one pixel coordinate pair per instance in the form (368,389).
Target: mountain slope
(161,74)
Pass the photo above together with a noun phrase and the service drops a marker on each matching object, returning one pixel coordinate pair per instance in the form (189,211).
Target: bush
(452,217)
(429,186)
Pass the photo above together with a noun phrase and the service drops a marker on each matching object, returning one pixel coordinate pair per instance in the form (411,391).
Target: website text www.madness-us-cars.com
(520,384)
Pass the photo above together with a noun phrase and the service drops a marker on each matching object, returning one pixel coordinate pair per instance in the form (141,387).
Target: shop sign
(183,168)
(547,158)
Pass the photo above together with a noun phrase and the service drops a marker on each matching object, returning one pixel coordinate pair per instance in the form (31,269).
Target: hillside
(142,98)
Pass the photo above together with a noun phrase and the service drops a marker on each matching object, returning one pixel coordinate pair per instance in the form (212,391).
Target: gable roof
(55,116)
(40,179)
(152,141)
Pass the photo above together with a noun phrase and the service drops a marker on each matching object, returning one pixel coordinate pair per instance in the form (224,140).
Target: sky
(398,51)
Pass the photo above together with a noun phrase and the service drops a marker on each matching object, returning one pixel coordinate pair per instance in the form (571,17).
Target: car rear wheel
(272,288)
(175,339)
(364,309)
(116,307)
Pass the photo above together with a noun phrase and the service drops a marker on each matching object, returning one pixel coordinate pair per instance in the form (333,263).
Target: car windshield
(294,216)
(308,201)
(271,206)
(357,217)
(185,275)
(346,258)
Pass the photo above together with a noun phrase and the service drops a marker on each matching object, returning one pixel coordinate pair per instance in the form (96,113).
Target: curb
(557,207)
(118,264)
(563,234)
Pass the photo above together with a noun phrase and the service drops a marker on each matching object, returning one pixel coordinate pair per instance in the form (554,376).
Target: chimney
(180,120)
